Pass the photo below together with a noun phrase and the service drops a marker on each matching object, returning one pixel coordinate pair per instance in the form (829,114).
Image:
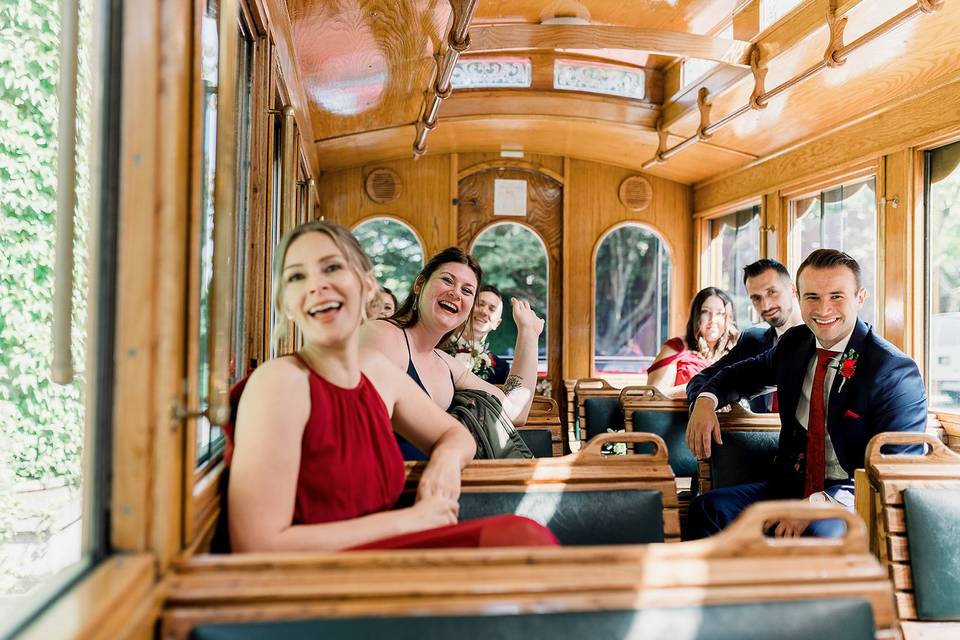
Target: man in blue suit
(839,384)
(774,296)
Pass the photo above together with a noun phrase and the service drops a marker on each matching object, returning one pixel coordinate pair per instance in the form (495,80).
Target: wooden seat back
(545,414)
(889,476)
(588,470)
(737,422)
(739,565)
(592,388)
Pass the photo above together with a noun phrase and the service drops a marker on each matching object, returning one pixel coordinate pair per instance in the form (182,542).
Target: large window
(734,243)
(632,284)
(514,260)
(54,435)
(943,276)
(773,10)
(395,250)
(845,218)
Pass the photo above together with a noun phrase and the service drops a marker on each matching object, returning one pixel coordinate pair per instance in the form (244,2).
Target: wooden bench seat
(749,445)
(584,498)
(545,415)
(603,401)
(676,582)
(915,515)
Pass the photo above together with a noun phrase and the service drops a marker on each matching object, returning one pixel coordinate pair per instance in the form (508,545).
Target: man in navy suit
(774,296)
(839,384)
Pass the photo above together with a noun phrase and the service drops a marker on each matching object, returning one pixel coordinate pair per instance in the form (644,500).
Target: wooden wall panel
(897,256)
(592,208)
(547,164)
(424,201)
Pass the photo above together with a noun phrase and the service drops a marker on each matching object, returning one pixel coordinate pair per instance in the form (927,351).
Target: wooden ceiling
(368,64)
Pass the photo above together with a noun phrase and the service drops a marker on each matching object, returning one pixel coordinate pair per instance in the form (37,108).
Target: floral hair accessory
(847,366)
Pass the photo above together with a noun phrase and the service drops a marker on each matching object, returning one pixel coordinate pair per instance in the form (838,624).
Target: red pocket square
(851,414)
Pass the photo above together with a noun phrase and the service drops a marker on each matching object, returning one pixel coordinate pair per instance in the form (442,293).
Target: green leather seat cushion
(744,456)
(933,518)
(539,441)
(602,414)
(627,516)
(792,620)
(672,427)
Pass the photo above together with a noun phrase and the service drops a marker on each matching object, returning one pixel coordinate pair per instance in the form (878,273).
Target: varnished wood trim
(510,163)
(105,604)
(834,177)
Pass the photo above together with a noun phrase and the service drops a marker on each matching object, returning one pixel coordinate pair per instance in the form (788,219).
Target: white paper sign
(509,197)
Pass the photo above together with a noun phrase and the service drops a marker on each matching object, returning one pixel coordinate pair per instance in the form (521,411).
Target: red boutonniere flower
(847,366)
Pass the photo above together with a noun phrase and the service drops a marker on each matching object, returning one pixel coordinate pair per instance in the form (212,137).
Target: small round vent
(636,193)
(383,185)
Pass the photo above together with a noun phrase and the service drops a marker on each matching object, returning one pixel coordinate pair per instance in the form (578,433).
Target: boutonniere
(847,366)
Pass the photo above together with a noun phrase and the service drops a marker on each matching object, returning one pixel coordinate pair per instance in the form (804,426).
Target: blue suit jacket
(752,342)
(885,393)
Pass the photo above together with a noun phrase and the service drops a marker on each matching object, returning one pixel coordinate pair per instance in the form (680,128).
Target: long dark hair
(408,315)
(692,336)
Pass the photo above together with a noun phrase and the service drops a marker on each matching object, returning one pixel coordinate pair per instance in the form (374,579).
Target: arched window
(395,250)
(632,300)
(514,260)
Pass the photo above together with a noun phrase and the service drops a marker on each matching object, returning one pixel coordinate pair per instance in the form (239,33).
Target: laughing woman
(313,460)
(439,306)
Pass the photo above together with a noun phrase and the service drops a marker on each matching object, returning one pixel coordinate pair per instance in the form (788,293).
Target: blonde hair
(353,253)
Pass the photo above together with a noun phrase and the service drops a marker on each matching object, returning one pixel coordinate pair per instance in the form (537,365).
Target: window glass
(207,435)
(632,302)
(735,243)
(514,260)
(276,185)
(395,251)
(244,105)
(773,10)
(943,276)
(844,218)
(49,512)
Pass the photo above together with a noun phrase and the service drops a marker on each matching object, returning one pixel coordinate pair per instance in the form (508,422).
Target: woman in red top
(314,464)
(711,333)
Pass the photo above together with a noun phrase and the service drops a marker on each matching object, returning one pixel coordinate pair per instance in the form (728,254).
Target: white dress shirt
(833,469)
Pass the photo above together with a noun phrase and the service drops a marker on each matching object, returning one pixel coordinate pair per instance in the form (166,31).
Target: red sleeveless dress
(689,363)
(351,466)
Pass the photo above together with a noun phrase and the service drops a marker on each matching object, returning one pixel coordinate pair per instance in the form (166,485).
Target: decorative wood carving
(383,185)
(544,215)
(930,6)
(758,65)
(662,137)
(704,105)
(832,55)
(636,193)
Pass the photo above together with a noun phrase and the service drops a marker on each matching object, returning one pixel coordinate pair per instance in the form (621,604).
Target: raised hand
(526,318)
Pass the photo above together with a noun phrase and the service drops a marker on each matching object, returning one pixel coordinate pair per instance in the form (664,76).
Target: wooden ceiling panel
(909,59)
(690,16)
(366,63)
(610,143)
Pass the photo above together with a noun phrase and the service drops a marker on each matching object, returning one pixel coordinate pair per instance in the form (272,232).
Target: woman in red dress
(314,464)
(711,333)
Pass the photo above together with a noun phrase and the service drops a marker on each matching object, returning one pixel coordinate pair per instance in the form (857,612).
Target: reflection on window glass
(42,424)
(842,218)
(773,10)
(632,283)
(239,365)
(735,243)
(207,436)
(395,251)
(514,260)
(943,276)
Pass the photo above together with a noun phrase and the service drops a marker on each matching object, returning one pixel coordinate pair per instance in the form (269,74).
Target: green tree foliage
(40,423)
(395,251)
(514,260)
(632,289)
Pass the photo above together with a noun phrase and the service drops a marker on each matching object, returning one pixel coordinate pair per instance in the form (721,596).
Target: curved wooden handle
(642,390)
(594,449)
(747,530)
(938,451)
(591,383)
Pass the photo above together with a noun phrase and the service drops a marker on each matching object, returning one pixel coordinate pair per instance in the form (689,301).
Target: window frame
(824,182)
(710,260)
(547,371)
(639,377)
(375,217)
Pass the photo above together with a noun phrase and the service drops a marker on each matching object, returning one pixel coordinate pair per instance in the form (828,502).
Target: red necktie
(816,427)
